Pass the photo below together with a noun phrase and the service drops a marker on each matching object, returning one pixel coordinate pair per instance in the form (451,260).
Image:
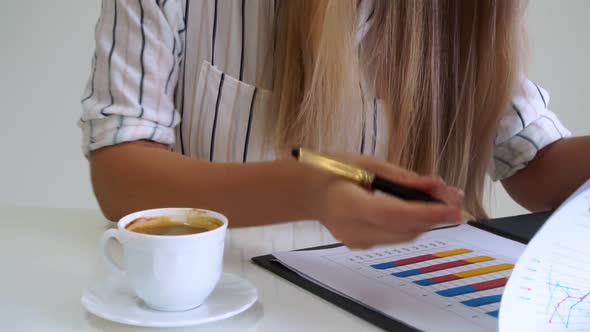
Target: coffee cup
(173,257)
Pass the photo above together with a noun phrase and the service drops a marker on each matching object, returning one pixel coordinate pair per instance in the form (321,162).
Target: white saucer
(113,299)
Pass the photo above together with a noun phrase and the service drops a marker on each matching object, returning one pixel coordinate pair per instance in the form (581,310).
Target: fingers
(435,186)
(361,219)
(402,216)
(438,189)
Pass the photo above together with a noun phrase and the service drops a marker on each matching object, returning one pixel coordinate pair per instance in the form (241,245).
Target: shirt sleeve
(135,68)
(526,128)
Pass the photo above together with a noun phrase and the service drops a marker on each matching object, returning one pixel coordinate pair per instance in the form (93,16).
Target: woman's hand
(362,219)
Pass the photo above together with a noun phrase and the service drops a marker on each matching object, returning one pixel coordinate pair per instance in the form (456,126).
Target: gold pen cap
(356,174)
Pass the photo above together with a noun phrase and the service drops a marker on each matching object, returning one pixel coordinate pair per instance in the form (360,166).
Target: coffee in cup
(193,224)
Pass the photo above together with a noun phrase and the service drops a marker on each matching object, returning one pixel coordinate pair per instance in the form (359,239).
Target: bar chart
(463,279)
(462,265)
(448,280)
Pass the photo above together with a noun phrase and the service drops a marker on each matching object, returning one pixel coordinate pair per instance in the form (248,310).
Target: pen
(366,178)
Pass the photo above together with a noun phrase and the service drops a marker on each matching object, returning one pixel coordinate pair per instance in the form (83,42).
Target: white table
(50,255)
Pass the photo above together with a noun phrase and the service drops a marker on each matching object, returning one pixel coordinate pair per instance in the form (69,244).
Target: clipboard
(518,228)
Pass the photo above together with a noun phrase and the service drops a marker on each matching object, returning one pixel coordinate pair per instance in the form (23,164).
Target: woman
(195,104)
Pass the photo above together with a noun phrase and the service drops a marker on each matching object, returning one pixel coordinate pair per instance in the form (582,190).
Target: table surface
(50,256)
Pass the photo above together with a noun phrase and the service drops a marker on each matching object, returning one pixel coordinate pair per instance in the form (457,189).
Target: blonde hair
(445,70)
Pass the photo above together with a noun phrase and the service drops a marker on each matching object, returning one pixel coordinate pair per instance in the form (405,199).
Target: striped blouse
(194,75)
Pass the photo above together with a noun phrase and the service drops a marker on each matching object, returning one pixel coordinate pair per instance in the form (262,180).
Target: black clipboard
(519,228)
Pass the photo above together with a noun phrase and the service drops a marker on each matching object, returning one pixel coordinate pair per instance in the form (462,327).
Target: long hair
(444,69)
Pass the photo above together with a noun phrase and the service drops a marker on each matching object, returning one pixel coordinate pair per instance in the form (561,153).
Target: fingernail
(458,192)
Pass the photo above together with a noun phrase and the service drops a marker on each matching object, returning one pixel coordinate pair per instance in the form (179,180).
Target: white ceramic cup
(169,273)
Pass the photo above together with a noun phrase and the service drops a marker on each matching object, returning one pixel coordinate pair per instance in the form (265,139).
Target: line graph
(563,300)
(549,289)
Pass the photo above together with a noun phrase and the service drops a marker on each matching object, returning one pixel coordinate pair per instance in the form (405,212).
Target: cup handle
(106,255)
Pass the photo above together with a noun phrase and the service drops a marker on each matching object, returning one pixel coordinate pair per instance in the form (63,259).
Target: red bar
(443,266)
(490,284)
(412,260)
(445,278)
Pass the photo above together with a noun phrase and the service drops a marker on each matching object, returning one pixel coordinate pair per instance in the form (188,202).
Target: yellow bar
(451,252)
(484,270)
(479,259)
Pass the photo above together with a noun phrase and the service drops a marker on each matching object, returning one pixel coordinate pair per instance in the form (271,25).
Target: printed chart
(550,287)
(457,275)
(470,283)
(555,295)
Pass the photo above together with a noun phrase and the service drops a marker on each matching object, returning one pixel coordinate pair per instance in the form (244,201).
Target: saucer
(112,299)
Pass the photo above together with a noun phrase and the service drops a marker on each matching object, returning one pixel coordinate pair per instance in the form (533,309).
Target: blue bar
(407,273)
(424,282)
(494,313)
(457,291)
(483,300)
(383,266)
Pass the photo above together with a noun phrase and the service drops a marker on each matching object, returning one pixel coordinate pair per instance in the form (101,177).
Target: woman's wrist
(308,186)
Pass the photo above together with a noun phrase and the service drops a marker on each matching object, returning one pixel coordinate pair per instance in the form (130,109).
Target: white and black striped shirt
(195,75)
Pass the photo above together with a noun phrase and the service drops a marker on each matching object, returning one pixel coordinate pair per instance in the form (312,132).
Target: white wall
(45,54)
(46,48)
